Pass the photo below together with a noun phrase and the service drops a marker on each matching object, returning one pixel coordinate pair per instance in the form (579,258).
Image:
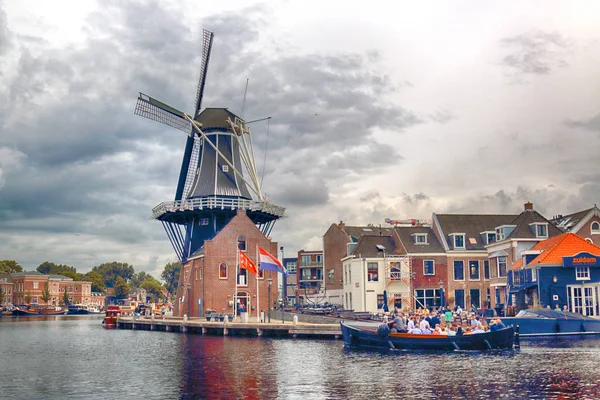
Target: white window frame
(225,168)
(536,226)
(498,266)
(596,230)
(432,264)
(422,236)
(582,273)
(478,271)
(454,236)
(453,271)
(533,274)
(36,285)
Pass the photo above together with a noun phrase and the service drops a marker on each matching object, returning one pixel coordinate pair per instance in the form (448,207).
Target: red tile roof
(554,249)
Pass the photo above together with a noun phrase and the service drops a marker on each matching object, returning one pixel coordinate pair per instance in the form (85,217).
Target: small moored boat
(24,311)
(110,318)
(546,323)
(53,311)
(366,335)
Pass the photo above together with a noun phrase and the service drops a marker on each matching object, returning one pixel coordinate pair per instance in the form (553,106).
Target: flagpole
(237,258)
(257,297)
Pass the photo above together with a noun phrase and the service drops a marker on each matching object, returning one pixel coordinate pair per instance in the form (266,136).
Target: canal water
(75,358)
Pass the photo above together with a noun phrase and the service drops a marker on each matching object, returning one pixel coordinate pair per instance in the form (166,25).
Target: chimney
(528,206)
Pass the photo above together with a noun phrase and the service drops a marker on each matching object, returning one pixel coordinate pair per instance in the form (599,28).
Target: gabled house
(584,223)
(376,275)
(464,238)
(512,240)
(338,242)
(557,272)
(428,266)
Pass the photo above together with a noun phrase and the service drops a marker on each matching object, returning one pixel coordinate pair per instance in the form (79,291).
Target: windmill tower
(212,184)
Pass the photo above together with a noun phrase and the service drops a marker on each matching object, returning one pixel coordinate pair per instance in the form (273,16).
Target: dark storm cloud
(301,194)
(592,123)
(535,52)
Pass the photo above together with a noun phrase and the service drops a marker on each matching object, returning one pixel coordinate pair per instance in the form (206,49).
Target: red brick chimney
(528,206)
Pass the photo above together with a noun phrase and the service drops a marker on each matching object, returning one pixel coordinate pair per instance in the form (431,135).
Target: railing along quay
(232,328)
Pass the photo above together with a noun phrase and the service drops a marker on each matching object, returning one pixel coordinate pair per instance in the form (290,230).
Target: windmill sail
(155,110)
(206,48)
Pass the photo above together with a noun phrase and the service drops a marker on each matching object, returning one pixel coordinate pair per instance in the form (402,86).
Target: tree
(27,297)
(7,266)
(46,293)
(137,279)
(1,296)
(65,299)
(97,281)
(153,287)
(58,269)
(113,270)
(121,288)
(171,276)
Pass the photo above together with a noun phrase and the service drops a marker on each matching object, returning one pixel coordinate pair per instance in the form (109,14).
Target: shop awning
(523,287)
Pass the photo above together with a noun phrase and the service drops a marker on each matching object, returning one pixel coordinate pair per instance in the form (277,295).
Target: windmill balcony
(216,202)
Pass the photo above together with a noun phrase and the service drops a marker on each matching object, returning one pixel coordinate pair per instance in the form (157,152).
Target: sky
(379,110)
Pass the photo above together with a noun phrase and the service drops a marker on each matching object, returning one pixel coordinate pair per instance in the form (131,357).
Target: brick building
(6,285)
(31,284)
(208,280)
(584,223)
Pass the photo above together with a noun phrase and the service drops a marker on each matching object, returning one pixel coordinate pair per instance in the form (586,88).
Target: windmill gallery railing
(216,203)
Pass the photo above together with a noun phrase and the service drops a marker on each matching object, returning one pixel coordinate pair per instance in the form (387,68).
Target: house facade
(212,279)
(563,271)
(584,223)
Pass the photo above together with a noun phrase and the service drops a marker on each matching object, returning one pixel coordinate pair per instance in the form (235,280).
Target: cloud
(592,123)
(535,53)
(4,32)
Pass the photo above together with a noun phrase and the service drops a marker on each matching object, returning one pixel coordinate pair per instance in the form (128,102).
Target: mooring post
(517,338)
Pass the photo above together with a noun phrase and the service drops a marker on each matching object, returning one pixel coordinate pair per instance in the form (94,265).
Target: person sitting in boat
(451,331)
(424,324)
(557,307)
(565,308)
(478,329)
(415,331)
(411,323)
(459,331)
(398,323)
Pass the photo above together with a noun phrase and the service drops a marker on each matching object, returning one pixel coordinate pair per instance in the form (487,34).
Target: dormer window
(489,236)
(420,238)
(459,240)
(499,234)
(541,229)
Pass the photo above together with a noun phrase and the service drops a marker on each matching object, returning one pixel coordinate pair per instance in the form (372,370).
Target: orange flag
(247,263)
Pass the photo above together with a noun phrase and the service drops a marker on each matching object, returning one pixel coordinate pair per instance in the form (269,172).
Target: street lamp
(442,299)
(284,288)
(269,283)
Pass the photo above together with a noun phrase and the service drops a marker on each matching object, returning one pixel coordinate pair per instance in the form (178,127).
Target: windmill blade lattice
(155,110)
(206,48)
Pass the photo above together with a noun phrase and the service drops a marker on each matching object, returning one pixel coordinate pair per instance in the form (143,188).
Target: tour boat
(53,311)
(111,316)
(366,335)
(544,323)
(24,311)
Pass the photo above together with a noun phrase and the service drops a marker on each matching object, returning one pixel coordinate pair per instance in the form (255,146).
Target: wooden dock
(253,329)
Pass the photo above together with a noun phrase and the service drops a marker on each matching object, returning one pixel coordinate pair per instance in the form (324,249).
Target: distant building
(30,284)
(6,285)
(310,276)
(291,281)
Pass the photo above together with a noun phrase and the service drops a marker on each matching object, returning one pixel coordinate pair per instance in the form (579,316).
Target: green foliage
(137,279)
(7,266)
(97,281)
(152,287)
(1,296)
(46,293)
(121,288)
(65,299)
(113,270)
(171,276)
(27,297)
(56,269)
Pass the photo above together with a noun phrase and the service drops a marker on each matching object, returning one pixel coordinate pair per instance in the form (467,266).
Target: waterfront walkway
(291,329)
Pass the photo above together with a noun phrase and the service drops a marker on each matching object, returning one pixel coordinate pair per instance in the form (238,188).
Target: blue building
(563,271)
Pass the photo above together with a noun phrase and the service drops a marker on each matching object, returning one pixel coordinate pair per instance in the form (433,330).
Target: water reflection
(76,358)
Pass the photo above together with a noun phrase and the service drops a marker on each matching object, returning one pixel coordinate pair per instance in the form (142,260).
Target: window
(420,238)
(223,271)
(35,285)
(243,277)
(474,270)
(379,301)
(459,241)
(499,234)
(398,301)
(305,260)
(428,267)
(459,270)
(501,264)
(541,230)
(582,273)
(225,168)
(475,298)
(395,271)
(242,243)
(319,258)
(373,272)
(491,237)
(291,267)
(331,276)
(204,221)
(486,269)
(459,298)
(595,227)
(533,274)
(34,299)
(427,298)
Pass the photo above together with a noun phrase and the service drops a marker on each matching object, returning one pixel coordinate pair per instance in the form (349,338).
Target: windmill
(212,185)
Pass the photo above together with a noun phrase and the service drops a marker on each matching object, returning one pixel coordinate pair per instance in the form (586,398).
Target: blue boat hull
(553,327)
